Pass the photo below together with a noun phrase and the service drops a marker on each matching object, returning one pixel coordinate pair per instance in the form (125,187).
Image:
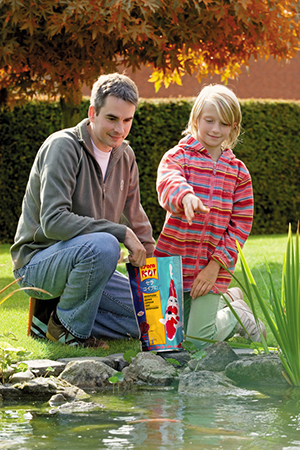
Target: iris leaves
(282,310)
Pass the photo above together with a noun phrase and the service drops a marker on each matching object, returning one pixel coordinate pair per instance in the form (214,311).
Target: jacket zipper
(212,185)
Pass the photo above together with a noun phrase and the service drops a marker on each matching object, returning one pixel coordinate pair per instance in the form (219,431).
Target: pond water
(158,419)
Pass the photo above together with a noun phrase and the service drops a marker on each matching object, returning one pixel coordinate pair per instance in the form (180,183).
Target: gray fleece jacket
(66,195)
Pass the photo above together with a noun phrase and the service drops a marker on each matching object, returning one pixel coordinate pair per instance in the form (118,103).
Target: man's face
(113,123)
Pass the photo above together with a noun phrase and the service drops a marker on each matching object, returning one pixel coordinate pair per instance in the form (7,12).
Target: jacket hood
(189,142)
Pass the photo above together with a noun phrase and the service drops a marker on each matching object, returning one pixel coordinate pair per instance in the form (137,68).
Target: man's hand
(205,279)
(191,205)
(137,252)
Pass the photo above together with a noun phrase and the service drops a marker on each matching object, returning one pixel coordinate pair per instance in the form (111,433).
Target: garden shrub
(271,151)
(270,148)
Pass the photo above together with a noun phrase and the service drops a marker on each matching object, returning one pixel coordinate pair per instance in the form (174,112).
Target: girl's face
(211,130)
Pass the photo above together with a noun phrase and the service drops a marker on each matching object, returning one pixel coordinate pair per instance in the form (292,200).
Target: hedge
(270,148)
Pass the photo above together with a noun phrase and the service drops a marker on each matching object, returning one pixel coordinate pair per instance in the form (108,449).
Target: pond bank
(222,372)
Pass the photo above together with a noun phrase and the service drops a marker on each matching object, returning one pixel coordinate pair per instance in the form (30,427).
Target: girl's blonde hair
(228,109)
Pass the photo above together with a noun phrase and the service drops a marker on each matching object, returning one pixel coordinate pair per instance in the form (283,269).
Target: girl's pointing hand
(191,205)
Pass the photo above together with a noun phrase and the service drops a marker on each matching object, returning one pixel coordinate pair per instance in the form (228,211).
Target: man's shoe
(247,318)
(56,332)
(39,315)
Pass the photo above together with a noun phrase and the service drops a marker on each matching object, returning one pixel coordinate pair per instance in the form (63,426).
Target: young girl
(207,193)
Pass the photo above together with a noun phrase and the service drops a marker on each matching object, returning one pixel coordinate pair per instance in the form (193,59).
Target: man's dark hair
(115,84)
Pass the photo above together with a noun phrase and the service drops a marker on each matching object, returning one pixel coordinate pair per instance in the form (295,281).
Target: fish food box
(157,296)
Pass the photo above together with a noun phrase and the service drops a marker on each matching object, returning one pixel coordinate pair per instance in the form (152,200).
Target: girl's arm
(171,182)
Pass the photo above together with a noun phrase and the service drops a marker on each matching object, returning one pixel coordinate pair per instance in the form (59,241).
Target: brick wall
(264,79)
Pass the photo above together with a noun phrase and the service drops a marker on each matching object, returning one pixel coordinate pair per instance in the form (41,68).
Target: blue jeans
(94,298)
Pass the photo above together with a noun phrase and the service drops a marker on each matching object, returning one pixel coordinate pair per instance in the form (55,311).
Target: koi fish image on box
(157,296)
(172,318)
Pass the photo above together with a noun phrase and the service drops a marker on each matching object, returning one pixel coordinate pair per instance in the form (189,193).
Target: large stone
(75,407)
(88,374)
(40,367)
(57,400)
(181,356)
(152,371)
(262,369)
(209,384)
(115,361)
(218,356)
(20,377)
(149,368)
(8,392)
(45,388)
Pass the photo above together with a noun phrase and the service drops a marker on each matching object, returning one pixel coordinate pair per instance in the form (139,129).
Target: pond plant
(193,352)
(11,357)
(282,309)
(116,378)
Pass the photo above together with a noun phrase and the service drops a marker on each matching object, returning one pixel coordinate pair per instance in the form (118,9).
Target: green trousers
(205,317)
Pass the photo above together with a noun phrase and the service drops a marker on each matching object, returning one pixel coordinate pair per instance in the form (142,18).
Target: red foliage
(54,47)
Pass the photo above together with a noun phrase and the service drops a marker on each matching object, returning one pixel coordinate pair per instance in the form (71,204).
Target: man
(82,188)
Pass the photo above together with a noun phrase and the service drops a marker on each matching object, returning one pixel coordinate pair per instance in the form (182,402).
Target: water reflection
(158,420)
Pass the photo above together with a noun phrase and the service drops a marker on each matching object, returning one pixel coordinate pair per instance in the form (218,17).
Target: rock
(208,384)
(57,399)
(120,362)
(262,369)
(218,356)
(87,374)
(75,407)
(7,391)
(115,361)
(150,369)
(103,359)
(19,377)
(182,357)
(147,370)
(45,388)
(38,387)
(40,367)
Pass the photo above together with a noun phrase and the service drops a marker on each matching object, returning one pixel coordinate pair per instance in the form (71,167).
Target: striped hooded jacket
(225,187)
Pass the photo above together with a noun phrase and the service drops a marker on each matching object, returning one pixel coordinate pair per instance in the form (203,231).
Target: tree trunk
(70,111)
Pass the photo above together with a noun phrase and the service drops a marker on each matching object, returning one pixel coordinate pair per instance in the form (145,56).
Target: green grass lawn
(14,312)
(14,318)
